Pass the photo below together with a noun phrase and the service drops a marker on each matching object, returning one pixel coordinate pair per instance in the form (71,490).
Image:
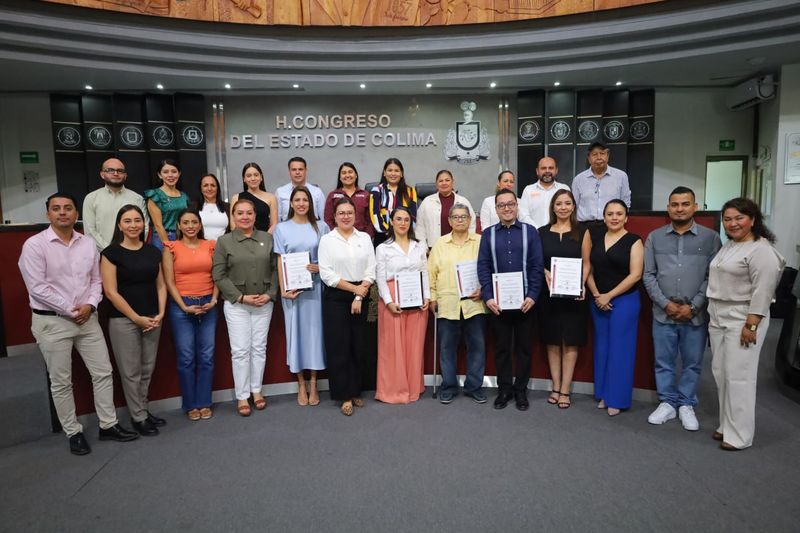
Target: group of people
(201,251)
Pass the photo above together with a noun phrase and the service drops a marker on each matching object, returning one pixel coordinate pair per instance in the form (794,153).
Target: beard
(547,177)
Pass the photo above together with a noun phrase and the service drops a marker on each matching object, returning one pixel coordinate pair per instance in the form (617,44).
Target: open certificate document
(408,289)
(509,290)
(295,274)
(467,278)
(566,276)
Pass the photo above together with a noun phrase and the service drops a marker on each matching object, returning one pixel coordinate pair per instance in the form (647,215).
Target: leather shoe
(145,428)
(728,447)
(78,444)
(717,436)
(502,400)
(117,433)
(155,420)
(521,399)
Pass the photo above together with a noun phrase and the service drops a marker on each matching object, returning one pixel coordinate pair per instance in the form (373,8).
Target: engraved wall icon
(467,143)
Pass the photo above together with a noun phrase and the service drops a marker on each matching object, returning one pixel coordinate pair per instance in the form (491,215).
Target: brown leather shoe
(728,447)
(717,436)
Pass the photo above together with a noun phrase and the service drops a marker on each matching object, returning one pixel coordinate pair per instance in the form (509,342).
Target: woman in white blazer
(429,215)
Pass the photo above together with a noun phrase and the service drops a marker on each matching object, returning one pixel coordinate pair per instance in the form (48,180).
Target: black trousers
(513,339)
(343,333)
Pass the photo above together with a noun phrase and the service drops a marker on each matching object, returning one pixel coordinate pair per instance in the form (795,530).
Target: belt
(44,313)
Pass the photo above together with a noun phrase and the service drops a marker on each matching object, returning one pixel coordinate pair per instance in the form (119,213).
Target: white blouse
(351,259)
(215,223)
(392,259)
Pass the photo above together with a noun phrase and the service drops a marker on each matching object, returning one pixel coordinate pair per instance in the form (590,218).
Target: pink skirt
(401,348)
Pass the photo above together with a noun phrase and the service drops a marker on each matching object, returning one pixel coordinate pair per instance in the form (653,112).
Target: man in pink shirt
(61,272)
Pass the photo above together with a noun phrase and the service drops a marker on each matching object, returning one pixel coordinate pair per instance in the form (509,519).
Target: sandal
(302,394)
(313,396)
(358,402)
(347,408)
(243,409)
(193,415)
(613,411)
(552,400)
(564,404)
(206,413)
(260,403)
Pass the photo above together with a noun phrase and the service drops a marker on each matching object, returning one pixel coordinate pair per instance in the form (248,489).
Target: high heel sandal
(313,395)
(564,404)
(302,394)
(358,402)
(347,408)
(260,403)
(551,399)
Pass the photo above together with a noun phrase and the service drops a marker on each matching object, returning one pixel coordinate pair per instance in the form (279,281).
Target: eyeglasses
(115,171)
(459,218)
(506,205)
(345,214)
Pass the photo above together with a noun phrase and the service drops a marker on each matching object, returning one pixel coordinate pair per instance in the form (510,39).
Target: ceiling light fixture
(363,86)
(227,85)
(428,85)
(159,87)
(296,86)
(493,85)
(618,83)
(88,87)
(556,83)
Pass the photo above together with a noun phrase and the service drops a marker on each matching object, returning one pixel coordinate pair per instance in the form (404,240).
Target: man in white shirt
(297,175)
(534,202)
(100,207)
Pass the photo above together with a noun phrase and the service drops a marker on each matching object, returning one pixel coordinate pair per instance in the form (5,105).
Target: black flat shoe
(502,400)
(117,433)
(78,444)
(155,420)
(145,428)
(521,400)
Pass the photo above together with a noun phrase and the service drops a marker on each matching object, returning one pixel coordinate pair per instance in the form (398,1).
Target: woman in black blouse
(617,260)
(563,321)
(132,282)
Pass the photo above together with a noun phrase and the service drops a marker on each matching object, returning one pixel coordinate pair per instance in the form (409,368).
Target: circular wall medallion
(528,130)
(560,130)
(613,130)
(99,136)
(588,130)
(131,136)
(192,136)
(163,136)
(68,136)
(640,130)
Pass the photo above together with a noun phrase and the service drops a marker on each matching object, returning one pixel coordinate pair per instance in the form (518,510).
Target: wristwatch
(693,308)
(751,327)
(358,298)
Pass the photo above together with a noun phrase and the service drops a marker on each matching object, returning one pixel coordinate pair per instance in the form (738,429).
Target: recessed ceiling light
(556,83)
(363,85)
(428,85)
(493,85)
(618,83)
(88,87)
(227,85)
(296,86)
(159,87)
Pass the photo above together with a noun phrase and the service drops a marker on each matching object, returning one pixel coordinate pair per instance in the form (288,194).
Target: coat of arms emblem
(468,142)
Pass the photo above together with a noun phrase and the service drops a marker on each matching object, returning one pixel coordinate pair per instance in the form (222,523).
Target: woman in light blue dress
(302,310)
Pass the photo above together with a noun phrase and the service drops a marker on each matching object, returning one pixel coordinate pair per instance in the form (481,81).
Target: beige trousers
(56,337)
(735,370)
(135,353)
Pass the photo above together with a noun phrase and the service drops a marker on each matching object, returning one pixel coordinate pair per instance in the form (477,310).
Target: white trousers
(247,330)
(735,370)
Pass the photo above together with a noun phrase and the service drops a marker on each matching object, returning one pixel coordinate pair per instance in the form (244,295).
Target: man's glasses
(506,205)
(115,171)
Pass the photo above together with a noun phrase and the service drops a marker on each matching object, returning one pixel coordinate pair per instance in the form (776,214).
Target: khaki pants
(735,370)
(135,353)
(56,337)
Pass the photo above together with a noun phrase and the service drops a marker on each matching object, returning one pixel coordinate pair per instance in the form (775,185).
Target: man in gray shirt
(676,259)
(598,184)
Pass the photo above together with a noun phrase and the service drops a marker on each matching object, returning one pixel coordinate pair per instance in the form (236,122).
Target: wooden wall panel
(384,13)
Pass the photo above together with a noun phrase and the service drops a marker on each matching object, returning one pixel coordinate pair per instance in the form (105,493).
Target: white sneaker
(663,413)
(688,419)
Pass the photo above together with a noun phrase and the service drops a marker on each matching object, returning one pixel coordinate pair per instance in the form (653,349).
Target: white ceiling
(670,44)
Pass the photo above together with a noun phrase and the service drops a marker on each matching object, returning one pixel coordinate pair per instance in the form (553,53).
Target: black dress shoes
(155,420)
(145,428)
(78,444)
(502,400)
(521,399)
(117,433)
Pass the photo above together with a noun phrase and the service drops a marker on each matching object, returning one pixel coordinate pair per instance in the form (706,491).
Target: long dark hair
(118,236)
(574,228)
(221,205)
(411,235)
(312,218)
(748,207)
(339,174)
(161,165)
(189,211)
(402,188)
(255,166)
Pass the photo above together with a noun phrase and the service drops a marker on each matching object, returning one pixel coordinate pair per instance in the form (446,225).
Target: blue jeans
(669,340)
(155,240)
(473,330)
(194,345)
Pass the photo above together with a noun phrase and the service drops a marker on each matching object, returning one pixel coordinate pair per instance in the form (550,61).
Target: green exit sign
(727,145)
(29,158)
